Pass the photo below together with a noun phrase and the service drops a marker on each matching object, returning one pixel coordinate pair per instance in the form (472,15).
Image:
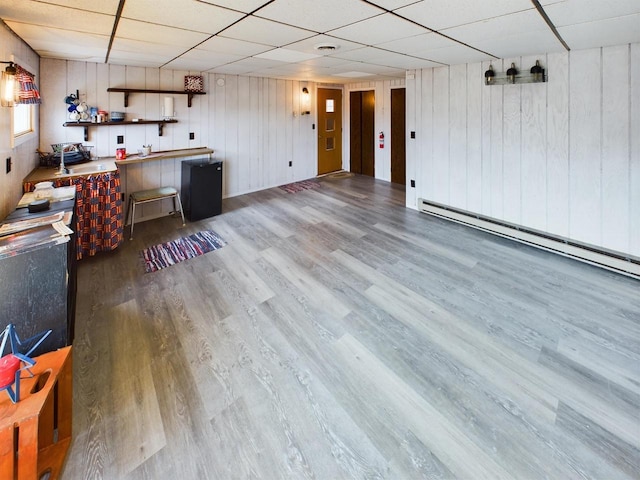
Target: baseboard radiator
(611,260)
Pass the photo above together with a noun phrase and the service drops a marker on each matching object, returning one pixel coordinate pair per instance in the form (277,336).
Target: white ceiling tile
(119,57)
(360,54)
(253,63)
(380,29)
(196,16)
(258,30)
(127,45)
(109,7)
(453,55)
(214,58)
(499,35)
(238,47)
(439,14)
(46,15)
(394,4)
(397,60)
(232,69)
(57,43)
(418,43)
(325,62)
(246,6)
(353,74)
(286,55)
(154,32)
(570,12)
(148,32)
(603,33)
(331,14)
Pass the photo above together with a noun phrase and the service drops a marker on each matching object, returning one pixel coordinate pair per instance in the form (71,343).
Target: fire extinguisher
(381,139)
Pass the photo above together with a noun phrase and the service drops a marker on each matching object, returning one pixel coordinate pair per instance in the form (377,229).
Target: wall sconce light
(512,76)
(537,72)
(511,73)
(8,85)
(489,76)
(305,102)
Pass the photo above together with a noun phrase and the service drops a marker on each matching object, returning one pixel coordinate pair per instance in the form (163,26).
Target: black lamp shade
(512,72)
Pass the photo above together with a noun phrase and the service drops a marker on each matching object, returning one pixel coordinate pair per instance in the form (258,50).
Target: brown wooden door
(398,136)
(362,135)
(329,130)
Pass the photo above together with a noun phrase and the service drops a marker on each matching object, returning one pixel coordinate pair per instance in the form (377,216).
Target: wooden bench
(152,195)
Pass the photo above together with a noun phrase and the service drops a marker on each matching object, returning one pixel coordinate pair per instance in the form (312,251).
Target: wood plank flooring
(340,335)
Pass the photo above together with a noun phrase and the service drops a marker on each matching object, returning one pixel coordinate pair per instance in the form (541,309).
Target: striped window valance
(27,90)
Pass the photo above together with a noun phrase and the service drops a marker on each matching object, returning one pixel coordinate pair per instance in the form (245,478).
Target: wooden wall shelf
(127,91)
(86,125)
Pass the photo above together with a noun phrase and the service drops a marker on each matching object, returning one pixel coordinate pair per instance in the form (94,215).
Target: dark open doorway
(362,136)
(398,136)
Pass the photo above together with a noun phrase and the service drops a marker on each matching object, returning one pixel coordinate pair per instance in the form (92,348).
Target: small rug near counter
(299,186)
(167,254)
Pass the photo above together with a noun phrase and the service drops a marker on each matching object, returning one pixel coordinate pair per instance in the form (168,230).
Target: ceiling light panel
(438,14)
(380,29)
(258,30)
(309,14)
(194,16)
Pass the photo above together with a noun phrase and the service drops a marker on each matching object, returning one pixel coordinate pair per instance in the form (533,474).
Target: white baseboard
(615,261)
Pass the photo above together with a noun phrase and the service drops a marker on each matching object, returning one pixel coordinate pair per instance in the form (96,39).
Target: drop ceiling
(373,40)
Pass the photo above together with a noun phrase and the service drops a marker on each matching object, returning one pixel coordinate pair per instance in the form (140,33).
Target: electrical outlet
(413,184)
(120,139)
(413,134)
(8,164)
(290,163)
(192,136)
(313,126)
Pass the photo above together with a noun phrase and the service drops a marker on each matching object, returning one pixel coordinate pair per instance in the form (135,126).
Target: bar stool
(152,195)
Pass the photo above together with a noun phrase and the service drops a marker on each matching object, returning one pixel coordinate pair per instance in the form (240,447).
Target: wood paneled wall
(23,152)
(562,157)
(248,121)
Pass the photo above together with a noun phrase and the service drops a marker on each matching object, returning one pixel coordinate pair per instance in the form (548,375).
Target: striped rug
(166,254)
(300,186)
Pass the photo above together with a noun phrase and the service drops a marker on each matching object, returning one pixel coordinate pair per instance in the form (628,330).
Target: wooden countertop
(187,152)
(97,166)
(109,164)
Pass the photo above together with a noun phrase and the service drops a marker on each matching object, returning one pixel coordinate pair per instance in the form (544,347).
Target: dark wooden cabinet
(38,286)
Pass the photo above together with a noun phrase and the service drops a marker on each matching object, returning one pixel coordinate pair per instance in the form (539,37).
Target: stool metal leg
(133,218)
(180,205)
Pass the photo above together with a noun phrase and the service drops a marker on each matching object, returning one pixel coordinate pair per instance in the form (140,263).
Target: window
(22,119)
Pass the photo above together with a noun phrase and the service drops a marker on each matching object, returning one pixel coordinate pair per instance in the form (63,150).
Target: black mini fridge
(201,191)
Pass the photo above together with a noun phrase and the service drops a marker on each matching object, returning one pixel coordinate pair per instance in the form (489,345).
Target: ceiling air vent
(326,47)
